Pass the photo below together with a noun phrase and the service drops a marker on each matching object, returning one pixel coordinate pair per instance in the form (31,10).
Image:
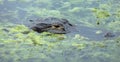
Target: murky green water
(92,18)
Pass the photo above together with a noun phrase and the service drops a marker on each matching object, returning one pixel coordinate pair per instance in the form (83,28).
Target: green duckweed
(75,10)
(79,46)
(19,28)
(18,46)
(100,13)
(114,25)
(1,1)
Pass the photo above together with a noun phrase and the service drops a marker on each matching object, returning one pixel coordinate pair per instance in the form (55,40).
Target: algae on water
(18,43)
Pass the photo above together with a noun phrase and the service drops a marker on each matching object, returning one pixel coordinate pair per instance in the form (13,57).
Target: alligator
(52,25)
(63,26)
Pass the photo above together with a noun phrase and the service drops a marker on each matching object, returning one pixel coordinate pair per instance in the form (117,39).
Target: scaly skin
(53,25)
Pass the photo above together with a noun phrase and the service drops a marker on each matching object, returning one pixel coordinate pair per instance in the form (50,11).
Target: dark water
(91,33)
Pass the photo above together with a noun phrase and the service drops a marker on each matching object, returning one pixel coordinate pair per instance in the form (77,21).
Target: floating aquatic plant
(100,13)
(114,25)
(1,1)
(18,43)
(79,46)
(19,28)
(75,10)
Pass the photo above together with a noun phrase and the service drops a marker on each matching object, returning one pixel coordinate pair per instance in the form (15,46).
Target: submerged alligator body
(63,26)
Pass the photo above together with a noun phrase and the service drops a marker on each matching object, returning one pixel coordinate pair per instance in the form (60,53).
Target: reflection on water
(85,43)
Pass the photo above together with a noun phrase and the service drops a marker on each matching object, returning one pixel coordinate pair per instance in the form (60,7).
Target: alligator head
(53,25)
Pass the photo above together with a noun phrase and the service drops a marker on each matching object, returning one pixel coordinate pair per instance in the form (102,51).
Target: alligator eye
(56,26)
